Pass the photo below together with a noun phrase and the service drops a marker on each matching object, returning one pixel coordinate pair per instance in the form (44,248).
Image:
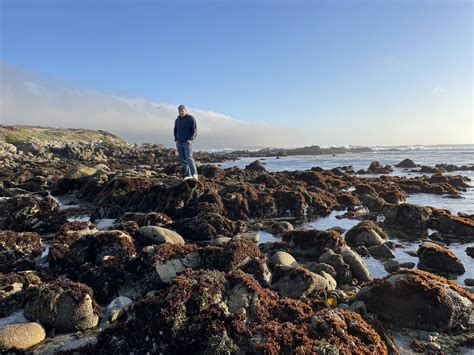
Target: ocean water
(457,155)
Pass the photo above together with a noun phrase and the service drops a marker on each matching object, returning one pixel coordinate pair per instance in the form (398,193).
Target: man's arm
(175,131)
(193,131)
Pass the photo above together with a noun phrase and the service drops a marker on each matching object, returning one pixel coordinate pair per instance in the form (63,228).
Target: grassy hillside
(12,134)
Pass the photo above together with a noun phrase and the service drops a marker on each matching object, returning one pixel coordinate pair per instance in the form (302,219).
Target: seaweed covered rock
(28,213)
(112,245)
(376,168)
(73,179)
(345,329)
(211,171)
(13,290)
(312,243)
(406,163)
(21,336)
(438,259)
(106,280)
(366,233)
(18,250)
(408,216)
(167,260)
(207,226)
(445,222)
(238,252)
(207,311)
(418,299)
(71,246)
(64,305)
(256,166)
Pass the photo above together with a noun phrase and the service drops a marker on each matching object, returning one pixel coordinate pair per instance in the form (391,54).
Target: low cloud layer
(32,99)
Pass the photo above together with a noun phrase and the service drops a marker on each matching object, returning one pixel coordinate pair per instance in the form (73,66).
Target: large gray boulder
(159,235)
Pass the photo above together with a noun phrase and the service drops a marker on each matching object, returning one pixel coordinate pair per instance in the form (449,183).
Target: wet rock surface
(438,259)
(419,299)
(177,267)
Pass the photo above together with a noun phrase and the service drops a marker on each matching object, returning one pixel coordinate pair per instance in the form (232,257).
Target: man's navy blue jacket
(185,129)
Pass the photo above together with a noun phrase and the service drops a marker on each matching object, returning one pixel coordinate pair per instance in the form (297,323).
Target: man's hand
(189,141)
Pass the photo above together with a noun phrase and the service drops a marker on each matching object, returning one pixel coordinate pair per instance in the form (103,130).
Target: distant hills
(14,134)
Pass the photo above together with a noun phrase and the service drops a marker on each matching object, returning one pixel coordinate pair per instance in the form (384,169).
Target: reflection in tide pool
(330,221)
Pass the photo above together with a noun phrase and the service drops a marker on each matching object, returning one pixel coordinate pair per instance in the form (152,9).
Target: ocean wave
(460,147)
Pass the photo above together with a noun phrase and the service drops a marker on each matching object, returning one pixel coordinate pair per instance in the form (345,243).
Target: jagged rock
(64,305)
(406,163)
(377,168)
(320,268)
(296,282)
(343,271)
(312,243)
(281,258)
(332,284)
(159,235)
(18,250)
(357,265)
(366,233)
(438,259)
(258,268)
(21,336)
(418,299)
(256,166)
(116,308)
(470,251)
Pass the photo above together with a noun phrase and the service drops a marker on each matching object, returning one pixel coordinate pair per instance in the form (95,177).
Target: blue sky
(340,69)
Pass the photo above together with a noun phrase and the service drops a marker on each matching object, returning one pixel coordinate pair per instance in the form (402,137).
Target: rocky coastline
(181,270)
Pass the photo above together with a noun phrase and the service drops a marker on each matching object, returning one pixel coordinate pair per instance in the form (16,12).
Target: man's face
(182,112)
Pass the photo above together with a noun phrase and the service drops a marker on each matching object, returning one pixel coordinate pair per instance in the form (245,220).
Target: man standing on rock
(185,131)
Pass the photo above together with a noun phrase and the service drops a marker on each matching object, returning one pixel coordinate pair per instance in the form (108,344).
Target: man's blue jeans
(185,151)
